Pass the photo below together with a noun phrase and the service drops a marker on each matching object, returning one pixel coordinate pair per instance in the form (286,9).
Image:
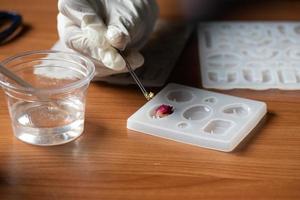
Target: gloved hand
(96,28)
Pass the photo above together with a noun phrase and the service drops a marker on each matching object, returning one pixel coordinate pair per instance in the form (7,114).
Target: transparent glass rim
(67,87)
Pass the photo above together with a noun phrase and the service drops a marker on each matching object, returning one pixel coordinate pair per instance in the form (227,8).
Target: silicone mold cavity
(210,100)
(222,60)
(237,110)
(180,96)
(231,77)
(288,76)
(222,77)
(213,76)
(218,127)
(182,125)
(257,76)
(152,113)
(198,112)
(266,76)
(297,30)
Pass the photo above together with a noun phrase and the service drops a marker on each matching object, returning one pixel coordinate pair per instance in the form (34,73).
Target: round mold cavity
(182,125)
(238,110)
(198,112)
(152,112)
(179,96)
(210,100)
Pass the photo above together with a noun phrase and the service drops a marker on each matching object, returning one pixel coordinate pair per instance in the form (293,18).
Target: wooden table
(110,162)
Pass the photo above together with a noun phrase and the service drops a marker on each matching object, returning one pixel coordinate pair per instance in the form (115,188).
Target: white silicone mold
(200,117)
(255,55)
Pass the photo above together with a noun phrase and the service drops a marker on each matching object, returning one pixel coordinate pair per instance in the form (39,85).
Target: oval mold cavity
(198,112)
(180,96)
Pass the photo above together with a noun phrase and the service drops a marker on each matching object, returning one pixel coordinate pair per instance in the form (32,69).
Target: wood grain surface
(110,162)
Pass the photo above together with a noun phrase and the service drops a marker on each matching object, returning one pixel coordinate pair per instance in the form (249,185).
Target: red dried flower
(164,110)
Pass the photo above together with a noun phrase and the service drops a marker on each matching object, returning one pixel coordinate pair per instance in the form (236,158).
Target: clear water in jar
(48,123)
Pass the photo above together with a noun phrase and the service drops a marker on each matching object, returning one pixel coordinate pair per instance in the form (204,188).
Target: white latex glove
(96,28)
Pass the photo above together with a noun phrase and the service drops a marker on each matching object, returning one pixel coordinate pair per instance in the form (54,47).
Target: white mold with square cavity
(255,55)
(201,118)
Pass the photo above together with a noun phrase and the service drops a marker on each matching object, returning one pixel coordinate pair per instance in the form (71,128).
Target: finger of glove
(116,37)
(135,20)
(135,59)
(122,20)
(75,39)
(81,41)
(95,34)
(72,35)
(90,40)
(100,47)
(75,10)
(113,60)
(84,13)
(102,71)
